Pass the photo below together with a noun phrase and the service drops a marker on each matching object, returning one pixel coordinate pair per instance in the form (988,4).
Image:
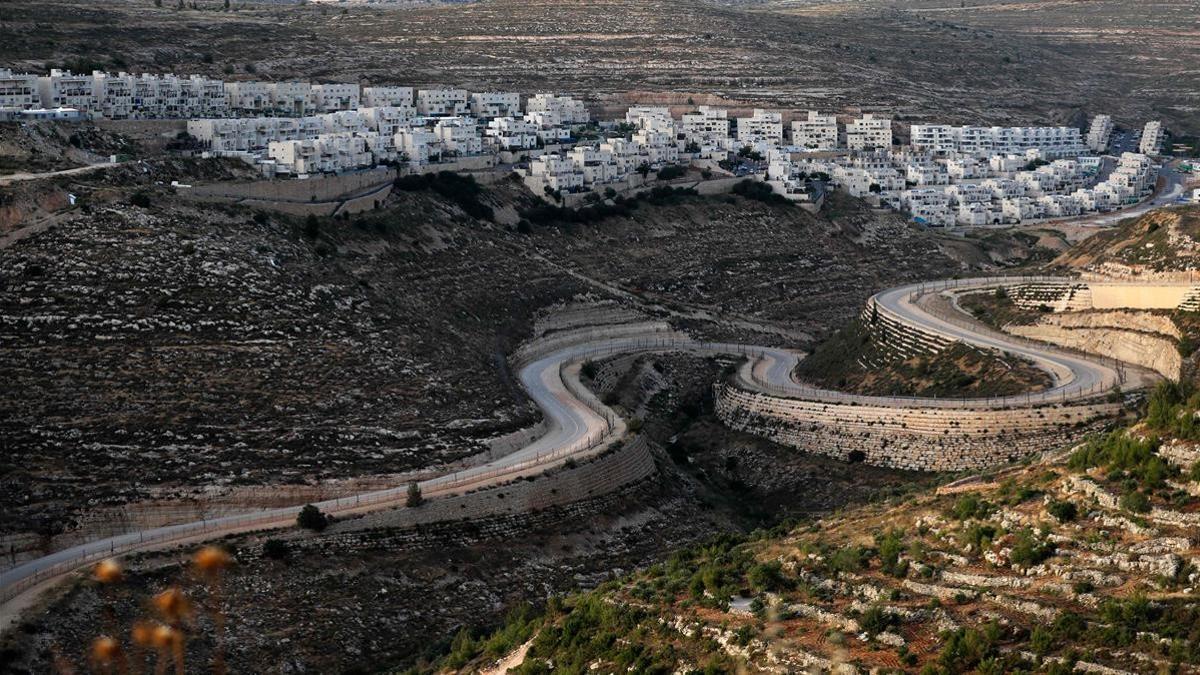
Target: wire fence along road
(586,433)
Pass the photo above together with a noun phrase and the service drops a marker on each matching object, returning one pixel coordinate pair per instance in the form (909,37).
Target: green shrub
(965,648)
(758,191)
(1041,641)
(462,190)
(876,620)
(414,498)
(1027,551)
(1064,512)
(971,506)
(1136,502)
(890,545)
(767,577)
(850,559)
(140,200)
(671,172)
(311,518)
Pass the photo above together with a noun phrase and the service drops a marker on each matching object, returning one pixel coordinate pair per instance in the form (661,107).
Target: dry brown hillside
(1162,241)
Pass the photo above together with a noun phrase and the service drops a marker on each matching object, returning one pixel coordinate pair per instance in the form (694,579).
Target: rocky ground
(979,62)
(209,347)
(39,146)
(768,265)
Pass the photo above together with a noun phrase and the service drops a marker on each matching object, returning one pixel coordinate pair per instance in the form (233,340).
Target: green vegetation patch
(957,371)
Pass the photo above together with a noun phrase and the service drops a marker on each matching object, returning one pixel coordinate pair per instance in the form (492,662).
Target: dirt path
(514,659)
(18,177)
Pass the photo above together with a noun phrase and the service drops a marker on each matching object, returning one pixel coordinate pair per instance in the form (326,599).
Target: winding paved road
(577,424)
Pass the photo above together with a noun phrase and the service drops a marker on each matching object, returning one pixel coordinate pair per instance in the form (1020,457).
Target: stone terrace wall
(606,473)
(923,439)
(896,339)
(1060,296)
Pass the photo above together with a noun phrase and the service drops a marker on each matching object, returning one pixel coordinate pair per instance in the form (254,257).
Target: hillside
(1086,561)
(239,356)
(1164,242)
(206,358)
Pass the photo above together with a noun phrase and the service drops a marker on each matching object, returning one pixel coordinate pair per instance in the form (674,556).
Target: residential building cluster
(946,174)
(367,136)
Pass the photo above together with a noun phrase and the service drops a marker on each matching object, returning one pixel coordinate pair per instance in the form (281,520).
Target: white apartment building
(489,104)
(653,118)
(937,138)
(549,126)
(418,145)
(291,98)
(114,95)
(458,136)
(387,97)
(926,174)
(597,166)
(762,127)
(512,134)
(815,133)
(386,120)
(343,122)
(64,89)
(982,142)
(626,153)
(659,148)
(327,153)
(335,96)
(1019,210)
(555,172)
(642,115)
(248,97)
(442,102)
(706,124)
(18,91)
(869,133)
(248,134)
(172,100)
(567,109)
(211,93)
(1099,133)
(965,168)
(1059,206)
(1152,138)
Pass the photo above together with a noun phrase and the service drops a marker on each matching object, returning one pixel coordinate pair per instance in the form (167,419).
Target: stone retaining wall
(922,439)
(608,472)
(896,339)
(1069,296)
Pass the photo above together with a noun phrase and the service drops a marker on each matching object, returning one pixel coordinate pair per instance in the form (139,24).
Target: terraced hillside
(1085,562)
